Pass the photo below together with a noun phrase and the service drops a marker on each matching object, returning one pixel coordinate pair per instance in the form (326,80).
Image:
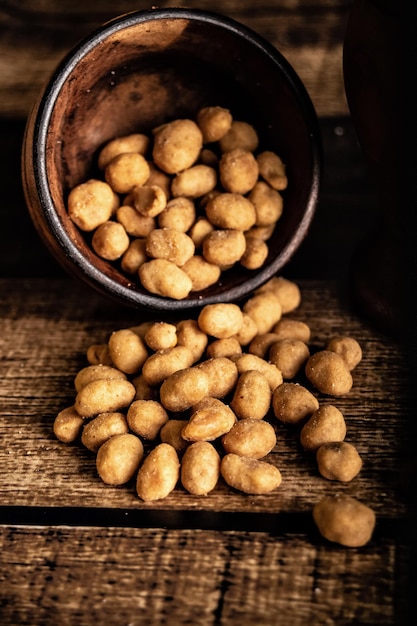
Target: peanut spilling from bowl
(179,206)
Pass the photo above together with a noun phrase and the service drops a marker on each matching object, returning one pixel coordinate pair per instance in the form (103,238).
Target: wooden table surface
(75,551)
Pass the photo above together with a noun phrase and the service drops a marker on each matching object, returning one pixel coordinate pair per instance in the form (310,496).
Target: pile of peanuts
(177,208)
(195,401)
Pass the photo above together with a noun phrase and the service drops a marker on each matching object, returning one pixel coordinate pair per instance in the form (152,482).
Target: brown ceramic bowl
(149,67)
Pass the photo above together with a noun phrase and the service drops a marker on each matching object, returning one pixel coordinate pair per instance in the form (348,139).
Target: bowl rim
(44,110)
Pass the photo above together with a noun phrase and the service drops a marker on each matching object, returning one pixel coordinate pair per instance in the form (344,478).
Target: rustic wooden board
(122,576)
(46,327)
(37,35)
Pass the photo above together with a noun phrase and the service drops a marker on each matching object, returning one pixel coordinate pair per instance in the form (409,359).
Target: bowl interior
(144,69)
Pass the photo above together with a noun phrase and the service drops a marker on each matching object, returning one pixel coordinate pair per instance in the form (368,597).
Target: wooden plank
(37,35)
(124,576)
(46,327)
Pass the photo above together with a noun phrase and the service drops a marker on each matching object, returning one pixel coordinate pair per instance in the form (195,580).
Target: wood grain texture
(35,36)
(178,577)
(43,346)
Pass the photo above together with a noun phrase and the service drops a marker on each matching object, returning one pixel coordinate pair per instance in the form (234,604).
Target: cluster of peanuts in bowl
(177,207)
(197,401)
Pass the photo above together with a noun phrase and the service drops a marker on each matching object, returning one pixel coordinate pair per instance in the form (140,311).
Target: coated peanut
(338,460)
(325,425)
(68,425)
(272,169)
(161,335)
(265,310)
(101,428)
(328,372)
(134,256)
(98,354)
(292,403)
(127,350)
(261,344)
(287,292)
(253,438)
(165,278)
(247,362)
(110,241)
(240,135)
(220,320)
(136,142)
(214,122)
(288,328)
(179,214)
(201,273)
(247,331)
(228,346)
(125,171)
(118,459)
(158,474)
(210,419)
(224,247)
(177,145)
(289,355)
(149,200)
(104,396)
(200,468)
(255,254)
(146,418)
(222,375)
(238,171)
(268,204)
(95,372)
(344,520)
(192,337)
(169,244)
(346,347)
(183,389)
(171,433)
(252,395)
(251,476)
(91,203)
(144,391)
(194,182)
(161,364)
(134,223)
(231,211)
